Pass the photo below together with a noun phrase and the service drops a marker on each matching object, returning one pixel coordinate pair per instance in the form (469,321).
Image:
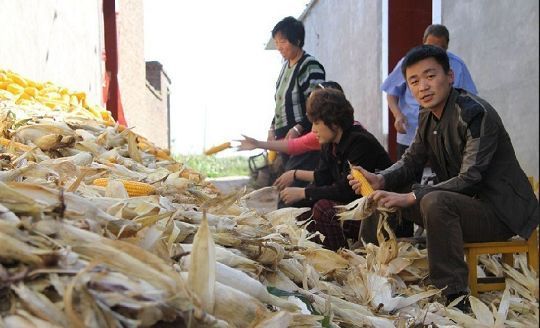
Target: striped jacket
(307,74)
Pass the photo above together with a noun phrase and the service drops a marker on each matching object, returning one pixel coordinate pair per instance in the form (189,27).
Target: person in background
(293,146)
(482,195)
(401,102)
(299,75)
(341,142)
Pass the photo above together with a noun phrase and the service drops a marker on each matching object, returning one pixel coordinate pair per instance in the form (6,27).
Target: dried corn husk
(111,262)
(202,271)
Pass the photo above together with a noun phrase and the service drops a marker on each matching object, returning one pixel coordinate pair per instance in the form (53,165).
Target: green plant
(214,167)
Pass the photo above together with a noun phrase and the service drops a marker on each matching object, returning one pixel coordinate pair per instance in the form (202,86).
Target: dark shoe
(464,305)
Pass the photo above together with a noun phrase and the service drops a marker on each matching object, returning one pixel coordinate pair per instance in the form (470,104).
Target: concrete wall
(131,67)
(499,42)
(59,41)
(345,36)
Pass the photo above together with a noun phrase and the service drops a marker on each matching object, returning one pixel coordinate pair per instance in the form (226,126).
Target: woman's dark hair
(331,107)
(422,52)
(292,29)
(329,85)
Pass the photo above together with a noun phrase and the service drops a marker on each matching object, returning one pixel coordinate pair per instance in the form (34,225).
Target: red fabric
(303,144)
(106,89)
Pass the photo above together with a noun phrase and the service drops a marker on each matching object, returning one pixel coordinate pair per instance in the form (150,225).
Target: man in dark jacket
(482,194)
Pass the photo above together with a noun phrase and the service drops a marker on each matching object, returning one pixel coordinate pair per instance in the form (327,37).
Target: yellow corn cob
(144,146)
(17,79)
(272,154)
(19,146)
(218,148)
(80,95)
(14,88)
(31,91)
(31,83)
(106,117)
(133,188)
(26,96)
(365,187)
(162,154)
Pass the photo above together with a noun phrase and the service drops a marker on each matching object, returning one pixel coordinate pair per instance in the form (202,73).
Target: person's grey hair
(437,30)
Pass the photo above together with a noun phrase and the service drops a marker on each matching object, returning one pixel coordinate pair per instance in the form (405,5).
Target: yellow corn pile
(365,187)
(133,188)
(218,148)
(25,92)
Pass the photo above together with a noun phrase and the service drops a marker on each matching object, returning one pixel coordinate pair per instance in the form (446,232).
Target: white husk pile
(76,255)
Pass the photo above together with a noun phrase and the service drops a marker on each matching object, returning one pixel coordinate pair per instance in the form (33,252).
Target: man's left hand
(391,199)
(292,195)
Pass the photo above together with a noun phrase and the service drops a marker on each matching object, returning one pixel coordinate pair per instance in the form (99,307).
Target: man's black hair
(437,30)
(422,52)
(292,29)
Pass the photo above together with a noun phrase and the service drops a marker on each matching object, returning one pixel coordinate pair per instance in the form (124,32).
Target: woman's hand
(391,199)
(292,195)
(248,143)
(285,180)
(375,180)
(294,132)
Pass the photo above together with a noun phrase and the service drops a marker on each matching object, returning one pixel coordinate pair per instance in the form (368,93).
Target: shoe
(463,305)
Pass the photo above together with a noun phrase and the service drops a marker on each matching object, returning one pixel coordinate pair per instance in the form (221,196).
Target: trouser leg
(404,220)
(326,222)
(451,219)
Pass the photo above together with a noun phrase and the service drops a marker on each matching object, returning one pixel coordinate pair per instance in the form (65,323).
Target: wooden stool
(507,249)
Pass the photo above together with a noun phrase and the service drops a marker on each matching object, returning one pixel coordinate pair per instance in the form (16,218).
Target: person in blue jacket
(400,100)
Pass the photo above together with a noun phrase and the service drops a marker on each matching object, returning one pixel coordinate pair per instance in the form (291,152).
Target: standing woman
(299,76)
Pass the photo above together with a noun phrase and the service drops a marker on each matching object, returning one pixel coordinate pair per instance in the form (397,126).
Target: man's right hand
(400,123)
(375,180)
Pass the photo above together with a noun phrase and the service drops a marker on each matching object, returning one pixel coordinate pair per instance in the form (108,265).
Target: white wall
(344,35)
(59,41)
(498,40)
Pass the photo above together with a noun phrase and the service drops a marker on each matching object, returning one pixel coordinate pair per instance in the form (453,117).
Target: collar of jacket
(450,103)
(345,141)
